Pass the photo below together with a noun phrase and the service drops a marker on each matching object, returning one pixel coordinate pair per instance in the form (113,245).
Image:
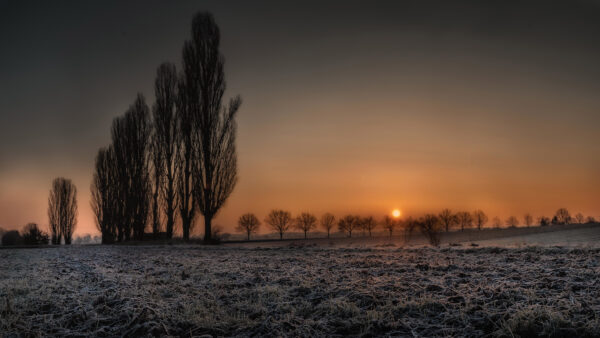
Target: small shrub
(32,235)
(12,238)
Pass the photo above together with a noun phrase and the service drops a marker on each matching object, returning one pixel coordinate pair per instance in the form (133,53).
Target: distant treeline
(430,225)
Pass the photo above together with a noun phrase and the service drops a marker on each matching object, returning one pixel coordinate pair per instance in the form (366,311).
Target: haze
(347,108)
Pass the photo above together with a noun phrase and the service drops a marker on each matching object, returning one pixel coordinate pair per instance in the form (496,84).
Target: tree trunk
(186,228)
(248,235)
(280,235)
(207,228)
(170,223)
(305,235)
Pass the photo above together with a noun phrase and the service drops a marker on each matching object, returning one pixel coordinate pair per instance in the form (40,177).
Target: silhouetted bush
(544,221)
(12,237)
(32,235)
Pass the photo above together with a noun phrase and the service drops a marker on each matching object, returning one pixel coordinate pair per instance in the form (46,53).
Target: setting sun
(396,213)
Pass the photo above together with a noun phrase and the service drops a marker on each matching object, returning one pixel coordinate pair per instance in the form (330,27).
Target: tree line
(168,164)
(430,225)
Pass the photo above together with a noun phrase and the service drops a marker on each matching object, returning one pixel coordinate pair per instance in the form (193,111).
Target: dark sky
(348,106)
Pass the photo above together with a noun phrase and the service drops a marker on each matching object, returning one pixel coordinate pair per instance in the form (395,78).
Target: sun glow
(396,213)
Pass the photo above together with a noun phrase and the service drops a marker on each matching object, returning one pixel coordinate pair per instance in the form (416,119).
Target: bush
(32,235)
(12,238)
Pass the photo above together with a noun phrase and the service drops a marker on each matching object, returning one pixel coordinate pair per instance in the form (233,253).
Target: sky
(348,106)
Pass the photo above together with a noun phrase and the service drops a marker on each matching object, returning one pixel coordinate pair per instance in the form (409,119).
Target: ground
(300,290)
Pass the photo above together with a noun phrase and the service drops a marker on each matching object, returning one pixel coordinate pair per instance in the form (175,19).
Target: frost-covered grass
(299,291)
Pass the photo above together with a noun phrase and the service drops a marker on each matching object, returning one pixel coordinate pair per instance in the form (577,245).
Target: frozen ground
(299,291)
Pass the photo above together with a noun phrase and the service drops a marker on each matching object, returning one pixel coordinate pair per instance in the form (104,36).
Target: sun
(396,213)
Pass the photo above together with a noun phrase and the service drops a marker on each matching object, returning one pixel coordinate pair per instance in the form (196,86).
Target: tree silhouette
(562,216)
(579,218)
(448,219)
(430,227)
(464,219)
(32,235)
(348,223)
(327,222)
(544,221)
(280,221)
(165,144)
(105,202)
(496,222)
(11,237)
(528,219)
(201,93)
(369,223)
(305,222)
(480,218)
(184,162)
(590,220)
(62,209)
(512,221)
(389,224)
(248,223)
(131,136)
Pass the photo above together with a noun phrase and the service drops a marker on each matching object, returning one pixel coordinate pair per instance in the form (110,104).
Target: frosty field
(300,291)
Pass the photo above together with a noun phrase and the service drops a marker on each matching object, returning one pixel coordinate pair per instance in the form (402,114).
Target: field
(301,290)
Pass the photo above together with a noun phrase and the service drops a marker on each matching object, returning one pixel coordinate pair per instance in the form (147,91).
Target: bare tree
(480,218)
(62,208)
(579,218)
(105,202)
(165,145)
(327,222)
(389,224)
(464,219)
(214,126)
(496,222)
(54,222)
(248,223)
(544,221)
(306,222)
(369,224)
(410,225)
(528,219)
(131,136)
(157,174)
(184,162)
(590,220)
(430,227)
(280,221)
(562,216)
(348,223)
(448,219)
(512,222)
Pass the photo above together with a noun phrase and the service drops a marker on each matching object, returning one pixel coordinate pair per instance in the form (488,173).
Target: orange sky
(337,117)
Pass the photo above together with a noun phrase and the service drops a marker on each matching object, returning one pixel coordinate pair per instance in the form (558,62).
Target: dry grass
(306,291)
